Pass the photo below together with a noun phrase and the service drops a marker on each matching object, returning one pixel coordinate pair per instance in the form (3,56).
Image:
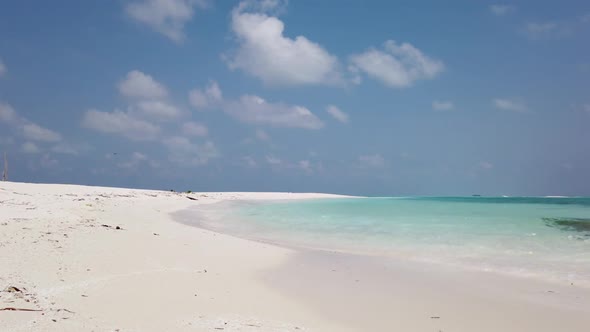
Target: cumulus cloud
(397,65)
(540,30)
(510,105)
(486,165)
(273,161)
(167,17)
(7,114)
(255,110)
(337,114)
(194,129)
(210,97)
(248,161)
(136,159)
(262,135)
(120,123)
(280,164)
(501,9)
(27,129)
(305,165)
(37,133)
(184,152)
(140,85)
(69,148)
(438,105)
(2,68)
(266,53)
(48,162)
(158,109)
(30,148)
(373,160)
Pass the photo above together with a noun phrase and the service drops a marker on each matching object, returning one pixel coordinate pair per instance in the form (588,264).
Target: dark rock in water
(569,224)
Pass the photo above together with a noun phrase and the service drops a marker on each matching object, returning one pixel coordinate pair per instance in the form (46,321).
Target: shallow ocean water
(542,237)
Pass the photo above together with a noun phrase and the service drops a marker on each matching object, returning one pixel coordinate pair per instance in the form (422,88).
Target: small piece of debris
(156,234)
(434,317)
(66,310)
(12,289)
(18,309)
(192,198)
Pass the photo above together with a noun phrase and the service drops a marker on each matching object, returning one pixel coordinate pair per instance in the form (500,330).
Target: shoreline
(154,274)
(207,218)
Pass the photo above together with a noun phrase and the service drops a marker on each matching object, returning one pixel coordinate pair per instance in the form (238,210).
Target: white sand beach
(107,259)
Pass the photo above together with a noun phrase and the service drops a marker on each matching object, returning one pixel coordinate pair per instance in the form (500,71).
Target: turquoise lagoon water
(541,237)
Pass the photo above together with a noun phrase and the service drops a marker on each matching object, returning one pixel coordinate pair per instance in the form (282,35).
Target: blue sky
(358,97)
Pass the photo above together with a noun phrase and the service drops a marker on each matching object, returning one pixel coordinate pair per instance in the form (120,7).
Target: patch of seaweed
(569,224)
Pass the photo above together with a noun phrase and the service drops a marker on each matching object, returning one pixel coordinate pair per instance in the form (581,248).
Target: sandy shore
(108,259)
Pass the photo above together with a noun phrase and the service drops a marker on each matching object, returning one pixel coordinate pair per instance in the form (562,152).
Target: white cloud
(374,160)
(70,148)
(273,161)
(442,105)
(136,159)
(30,147)
(540,28)
(259,135)
(213,91)
(7,114)
(501,10)
(264,52)
(255,110)
(397,65)
(510,105)
(139,85)
(167,17)
(194,129)
(249,162)
(305,165)
(48,162)
(545,30)
(262,135)
(2,68)
(337,114)
(280,164)
(5,141)
(184,152)
(159,109)
(211,97)
(486,165)
(26,128)
(37,133)
(120,123)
